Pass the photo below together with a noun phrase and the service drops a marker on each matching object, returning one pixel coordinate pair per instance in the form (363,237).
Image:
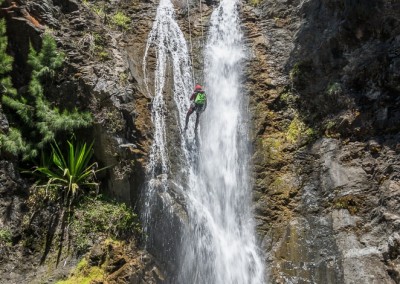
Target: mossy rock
(85,274)
(350,202)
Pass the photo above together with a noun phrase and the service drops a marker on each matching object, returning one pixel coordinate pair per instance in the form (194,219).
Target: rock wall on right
(323,80)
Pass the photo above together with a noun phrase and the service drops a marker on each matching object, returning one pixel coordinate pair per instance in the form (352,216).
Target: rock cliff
(323,82)
(326,138)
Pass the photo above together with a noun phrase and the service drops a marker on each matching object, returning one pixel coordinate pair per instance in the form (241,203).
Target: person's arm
(193,96)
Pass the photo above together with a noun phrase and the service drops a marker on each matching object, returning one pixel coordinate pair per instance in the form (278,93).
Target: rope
(202,37)
(201,24)
(190,39)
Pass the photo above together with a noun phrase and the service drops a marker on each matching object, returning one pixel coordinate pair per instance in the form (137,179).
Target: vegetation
(96,216)
(288,98)
(349,202)
(5,62)
(85,274)
(121,20)
(273,146)
(299,132)
(295,72)
(99,11)
(255,2)
(67,174)
(334,89)
(33,114)
(5,237)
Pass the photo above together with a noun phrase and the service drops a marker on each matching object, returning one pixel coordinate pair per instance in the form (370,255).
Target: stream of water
(167,41)
(218,242)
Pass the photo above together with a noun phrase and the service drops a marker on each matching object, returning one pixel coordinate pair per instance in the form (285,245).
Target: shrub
(121,20)
(36,118)
(96,216)
(5,237)
(5,62)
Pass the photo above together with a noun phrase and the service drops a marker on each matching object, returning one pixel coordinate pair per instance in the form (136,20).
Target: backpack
(200,98)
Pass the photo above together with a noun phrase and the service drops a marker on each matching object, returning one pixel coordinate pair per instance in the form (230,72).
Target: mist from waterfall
(218,243)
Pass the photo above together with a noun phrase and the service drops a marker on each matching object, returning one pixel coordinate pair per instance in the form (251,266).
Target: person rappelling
(199,105)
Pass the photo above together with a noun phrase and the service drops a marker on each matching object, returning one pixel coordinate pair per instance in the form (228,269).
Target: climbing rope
(190,40)
(202,36)
(201,23)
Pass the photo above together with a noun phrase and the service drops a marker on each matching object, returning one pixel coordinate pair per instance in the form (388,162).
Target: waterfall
(166,40)
(218,241)
(220,244)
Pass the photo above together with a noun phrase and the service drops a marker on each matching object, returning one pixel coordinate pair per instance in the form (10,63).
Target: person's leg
(197,120)
(190,111)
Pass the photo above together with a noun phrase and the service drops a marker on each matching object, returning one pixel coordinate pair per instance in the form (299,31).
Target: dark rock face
(326,138)
(102,73)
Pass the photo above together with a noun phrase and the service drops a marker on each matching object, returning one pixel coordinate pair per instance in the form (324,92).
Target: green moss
(82,264)
(273,147)
(295,72)
(288,98)
(84,274)
(294,130)
(330,129)
(280,186)
(255,2)
(104,55)
(113,242)
(299,132)
(349,202)
(123,78)
(284,187)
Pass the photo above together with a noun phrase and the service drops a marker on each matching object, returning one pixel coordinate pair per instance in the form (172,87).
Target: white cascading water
(219,244)
(169,44)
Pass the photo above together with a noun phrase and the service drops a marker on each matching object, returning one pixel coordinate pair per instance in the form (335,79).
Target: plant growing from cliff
(295,72)
(121,20)
(99,11)
(32,112)
(5,62)
(5,237)
(99,215)
(299,132)
(349,202)
(69,173)
(334,89)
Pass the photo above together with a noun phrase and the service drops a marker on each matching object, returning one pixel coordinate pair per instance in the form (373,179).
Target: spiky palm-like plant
(69,173)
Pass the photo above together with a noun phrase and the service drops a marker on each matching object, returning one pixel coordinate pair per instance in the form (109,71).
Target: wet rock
(346,181)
